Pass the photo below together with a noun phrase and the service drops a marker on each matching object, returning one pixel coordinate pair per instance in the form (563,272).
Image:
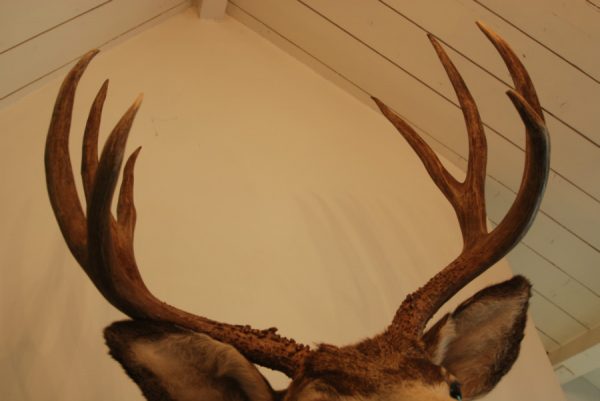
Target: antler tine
(480,248)
(89,153)
(112,262)
(59,173)
(518,73)
(470,203)
(103,245)
(438,173)
(526,101)
(467,198)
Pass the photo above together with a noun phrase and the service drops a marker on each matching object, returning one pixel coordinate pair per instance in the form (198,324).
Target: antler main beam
(480,248)
(103,245)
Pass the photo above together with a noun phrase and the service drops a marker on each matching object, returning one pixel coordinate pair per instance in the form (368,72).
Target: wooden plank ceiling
(38,38)
(379,47)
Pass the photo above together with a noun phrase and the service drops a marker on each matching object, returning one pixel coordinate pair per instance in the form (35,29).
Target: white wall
(265,195)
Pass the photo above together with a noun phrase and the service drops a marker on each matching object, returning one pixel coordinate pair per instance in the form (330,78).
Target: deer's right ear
(173,364)
(480,340)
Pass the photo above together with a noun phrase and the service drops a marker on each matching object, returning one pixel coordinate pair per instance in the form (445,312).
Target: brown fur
(371,365)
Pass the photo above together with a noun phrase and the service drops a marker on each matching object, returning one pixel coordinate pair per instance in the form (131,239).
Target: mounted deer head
(174,355)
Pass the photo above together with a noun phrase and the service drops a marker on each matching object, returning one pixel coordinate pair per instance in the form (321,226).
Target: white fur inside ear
(196,367)
(497,314)
(479,342)
(447,334)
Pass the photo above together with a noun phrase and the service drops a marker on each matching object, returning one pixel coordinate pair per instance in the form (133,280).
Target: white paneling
(556,323)
(406,45)
(56,48)
(585,362)
(564,91)
(571,296)
(550,239)
(573,209)
(585,342)
(563,374)
(23,19)
(569,28)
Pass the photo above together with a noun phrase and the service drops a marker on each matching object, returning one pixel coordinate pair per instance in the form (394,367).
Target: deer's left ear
(479,342)
(170,363)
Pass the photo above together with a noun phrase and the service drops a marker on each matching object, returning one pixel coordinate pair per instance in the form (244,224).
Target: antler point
(138,101)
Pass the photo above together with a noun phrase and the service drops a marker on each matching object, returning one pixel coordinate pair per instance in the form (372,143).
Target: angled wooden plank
(39,57)
(573,209)
(557,25)
(553,321)
(565,91)
(356,62)
(564,375)
(406,45)
(586,341)
(556,286)
(548,238)
(585,362)
(549,344)
(20,20)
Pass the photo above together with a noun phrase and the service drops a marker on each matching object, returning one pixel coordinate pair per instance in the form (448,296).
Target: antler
(103,245)
(481,249)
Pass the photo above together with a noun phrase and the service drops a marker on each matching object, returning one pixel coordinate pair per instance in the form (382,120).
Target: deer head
(175,355)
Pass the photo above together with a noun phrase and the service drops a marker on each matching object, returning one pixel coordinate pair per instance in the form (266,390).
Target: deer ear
(479,342)
(173,364)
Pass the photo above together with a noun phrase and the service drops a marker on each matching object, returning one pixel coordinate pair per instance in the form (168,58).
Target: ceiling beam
(577,357)
(211,9)
(576,346)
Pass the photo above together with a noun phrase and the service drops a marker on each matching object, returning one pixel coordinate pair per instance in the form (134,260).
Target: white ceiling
(371,47)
